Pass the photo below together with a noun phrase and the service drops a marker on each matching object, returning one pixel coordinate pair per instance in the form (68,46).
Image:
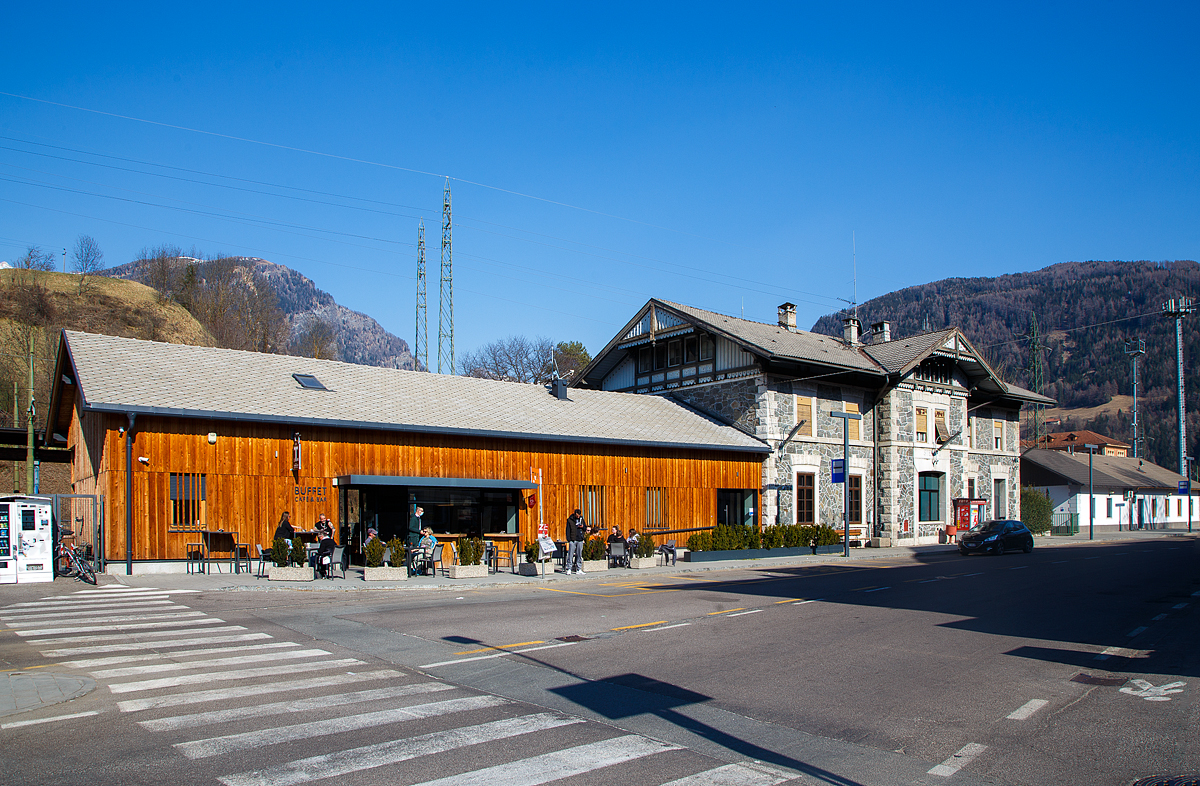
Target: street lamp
(1190,459)
(1091,449)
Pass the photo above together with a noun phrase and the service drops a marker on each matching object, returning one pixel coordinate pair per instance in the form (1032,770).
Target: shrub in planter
(373,552)
(645,547)
(299,554)
(772,537)
(531,552)
(700,541)
(470,551)
(594,550)
(281,552)
(398,552)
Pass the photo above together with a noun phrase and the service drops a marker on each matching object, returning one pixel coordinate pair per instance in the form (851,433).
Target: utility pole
(16,424)
(29,427)
(1091,449)
(1177,309)
(422,338)
(446,310)
(1135,351)
(1037,374)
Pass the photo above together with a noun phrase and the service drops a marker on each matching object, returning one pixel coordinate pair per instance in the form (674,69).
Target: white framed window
(922,424)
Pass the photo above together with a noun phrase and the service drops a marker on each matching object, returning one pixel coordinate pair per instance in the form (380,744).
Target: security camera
(144,460)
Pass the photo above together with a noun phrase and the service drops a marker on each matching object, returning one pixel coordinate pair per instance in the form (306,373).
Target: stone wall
(734,401)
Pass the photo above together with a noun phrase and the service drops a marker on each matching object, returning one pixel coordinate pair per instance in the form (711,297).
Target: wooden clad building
(180,438)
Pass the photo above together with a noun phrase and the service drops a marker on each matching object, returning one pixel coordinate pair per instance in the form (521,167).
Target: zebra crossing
(242,705)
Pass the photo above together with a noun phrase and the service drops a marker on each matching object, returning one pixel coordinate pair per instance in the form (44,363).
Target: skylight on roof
(309,382)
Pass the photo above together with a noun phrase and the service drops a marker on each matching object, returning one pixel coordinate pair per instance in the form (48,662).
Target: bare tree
(161,269)
(317,340)
(512,359)
(36,259)
(87,259)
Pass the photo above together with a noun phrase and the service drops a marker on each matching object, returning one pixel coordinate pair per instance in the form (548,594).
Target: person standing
(415,526)
(576,535)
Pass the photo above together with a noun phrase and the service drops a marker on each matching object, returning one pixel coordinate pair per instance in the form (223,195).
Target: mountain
(1086,314)
(359,338)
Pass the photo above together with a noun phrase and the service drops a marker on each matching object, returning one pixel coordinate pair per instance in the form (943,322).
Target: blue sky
(604,154)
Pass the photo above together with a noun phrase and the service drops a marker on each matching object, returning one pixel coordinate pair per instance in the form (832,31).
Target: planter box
(276,573)
(640,563)
(385,574)
(594,565)
(716,556)
(468,571)
(530,569)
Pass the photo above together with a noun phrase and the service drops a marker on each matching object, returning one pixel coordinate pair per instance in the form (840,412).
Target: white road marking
(1159,617)
(877,589)
(191,615)
(133,646)
(1137,631)
(207,663)
(1091,557)
(83,603)
(241,674)
(82,614)
(158,614)
(814,600)
(552,766)
(1150,692)
(18,724)
(1027,709)
(965,756)
(92,663)
(141,635)
(1122,652)
(221,694)
(664,627)
(969,575)
(331,765)
(497,655)
(1196,594)
(1180,606)
(1060,562)
(291,706)
(215,746)
(741,613)
(1019,567)
(736,775)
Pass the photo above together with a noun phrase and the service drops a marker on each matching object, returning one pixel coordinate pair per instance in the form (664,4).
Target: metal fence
(82,514)
(1063,523)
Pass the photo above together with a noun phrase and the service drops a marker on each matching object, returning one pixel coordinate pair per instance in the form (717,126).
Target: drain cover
(1088,679)
(1169,780)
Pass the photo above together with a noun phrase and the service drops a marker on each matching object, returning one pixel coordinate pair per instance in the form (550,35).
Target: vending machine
(8,560)
(31,537)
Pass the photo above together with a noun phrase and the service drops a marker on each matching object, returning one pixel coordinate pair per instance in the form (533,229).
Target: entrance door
(736,507)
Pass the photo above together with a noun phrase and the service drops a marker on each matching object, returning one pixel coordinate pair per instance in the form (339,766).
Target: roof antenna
(854,262)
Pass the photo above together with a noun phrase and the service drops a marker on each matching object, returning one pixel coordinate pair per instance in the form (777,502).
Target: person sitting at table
(632,540)
(372,534)
(422,560)
(322,557)
(615,536)
(285,529)
(324,526)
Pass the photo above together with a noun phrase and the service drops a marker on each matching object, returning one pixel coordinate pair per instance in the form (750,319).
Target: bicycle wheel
(84,569)
(64,565)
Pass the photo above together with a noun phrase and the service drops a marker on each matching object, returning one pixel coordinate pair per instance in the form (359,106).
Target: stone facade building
(937,424)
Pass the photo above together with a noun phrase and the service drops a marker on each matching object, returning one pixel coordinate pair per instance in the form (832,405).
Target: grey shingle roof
(775,341)
(120,374)
(1109,472)
(894,356)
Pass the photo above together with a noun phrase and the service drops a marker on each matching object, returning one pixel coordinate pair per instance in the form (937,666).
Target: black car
(996,537)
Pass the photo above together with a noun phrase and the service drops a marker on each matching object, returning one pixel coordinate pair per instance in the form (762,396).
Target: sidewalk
(227,582)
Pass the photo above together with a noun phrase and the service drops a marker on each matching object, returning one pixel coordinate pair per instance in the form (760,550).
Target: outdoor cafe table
(219,535)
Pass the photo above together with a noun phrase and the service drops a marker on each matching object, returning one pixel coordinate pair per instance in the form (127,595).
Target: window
(922,425)
(930,500)
(1178,508)
(939,426)
(971,434)
(188,494)
(998,434)
(936,369)
(689,350)
(805,498)
(999,498)
(970,488)
(804,412)
(591,505)
(1109,501)
(309,382)
(645,360)
(674,352)
(855,492)
(853,425)
(656,508)
(660,357)
(706,347)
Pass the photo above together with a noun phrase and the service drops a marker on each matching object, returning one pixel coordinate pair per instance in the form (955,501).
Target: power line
(1072,330)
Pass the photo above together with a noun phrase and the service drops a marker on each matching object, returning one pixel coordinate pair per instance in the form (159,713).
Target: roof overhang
(344,481)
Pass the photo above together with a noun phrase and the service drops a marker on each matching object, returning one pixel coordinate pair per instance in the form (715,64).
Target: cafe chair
(437,560)
(506,557)
(264,556)
(387,557)
(616,554)
(667,550)
(195,557)
(335,562)
(241,555)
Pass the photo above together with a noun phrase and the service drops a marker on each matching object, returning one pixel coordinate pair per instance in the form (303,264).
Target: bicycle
(69,561)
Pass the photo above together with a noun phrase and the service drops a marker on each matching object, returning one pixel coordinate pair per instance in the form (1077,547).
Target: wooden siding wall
(250,479)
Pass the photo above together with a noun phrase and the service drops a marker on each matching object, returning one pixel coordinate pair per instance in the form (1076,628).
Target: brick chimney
(787,317)
(881,332)
(851,330)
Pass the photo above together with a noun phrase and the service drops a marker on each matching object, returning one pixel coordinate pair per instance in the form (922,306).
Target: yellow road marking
(789,600)
(606,594)
(726,611)
(502,647)
(643,625)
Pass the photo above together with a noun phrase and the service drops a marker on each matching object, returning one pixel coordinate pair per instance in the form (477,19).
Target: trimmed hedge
(736,538)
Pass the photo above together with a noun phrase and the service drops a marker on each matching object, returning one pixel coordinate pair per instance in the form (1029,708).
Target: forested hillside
(1086,312)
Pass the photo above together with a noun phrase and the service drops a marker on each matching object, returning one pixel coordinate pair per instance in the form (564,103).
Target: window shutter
(939,425)
(853,425)
(804,412)
(922,421)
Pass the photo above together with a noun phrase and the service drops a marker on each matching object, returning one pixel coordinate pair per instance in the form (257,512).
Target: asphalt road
(1026,669)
